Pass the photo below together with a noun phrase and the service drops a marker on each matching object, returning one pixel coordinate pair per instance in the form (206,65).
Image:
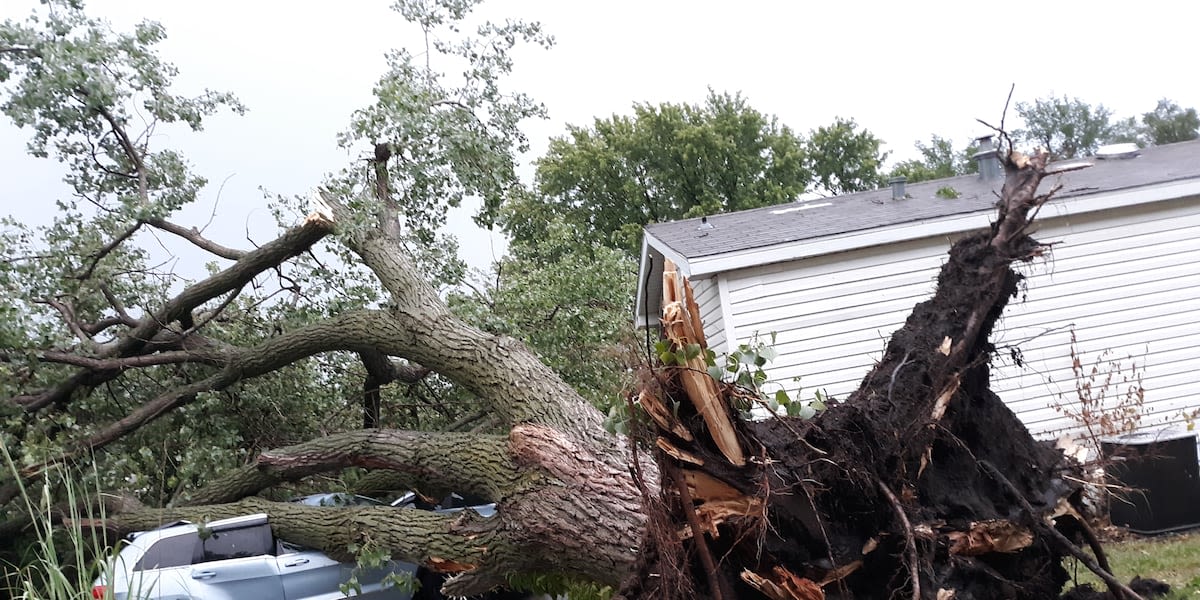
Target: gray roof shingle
(769,226)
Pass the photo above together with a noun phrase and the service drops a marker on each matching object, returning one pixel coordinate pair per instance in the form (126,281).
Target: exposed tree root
(921,483)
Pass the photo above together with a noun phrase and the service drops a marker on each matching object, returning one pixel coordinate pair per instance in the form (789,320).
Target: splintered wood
(782,584)
(681,324)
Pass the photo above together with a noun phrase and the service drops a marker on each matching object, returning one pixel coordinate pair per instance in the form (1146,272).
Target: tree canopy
(939,159)
(1070,128)
(664,162)
(1066,127)
(1169,123)
(672,161)
(845,159)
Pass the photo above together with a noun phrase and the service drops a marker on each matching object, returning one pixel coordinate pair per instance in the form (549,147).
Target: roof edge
(649,268)
(1073,205)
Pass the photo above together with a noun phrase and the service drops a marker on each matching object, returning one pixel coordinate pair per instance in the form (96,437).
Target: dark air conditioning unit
(1163,475)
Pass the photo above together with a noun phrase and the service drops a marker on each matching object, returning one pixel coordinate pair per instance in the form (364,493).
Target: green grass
(59,561)
(1174,559)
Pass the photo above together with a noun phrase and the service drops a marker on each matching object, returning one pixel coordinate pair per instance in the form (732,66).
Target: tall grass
(61,556)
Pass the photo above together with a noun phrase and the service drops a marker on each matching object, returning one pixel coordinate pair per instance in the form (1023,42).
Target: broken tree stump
(890,493)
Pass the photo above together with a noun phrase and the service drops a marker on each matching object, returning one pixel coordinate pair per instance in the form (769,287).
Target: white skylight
(793,209)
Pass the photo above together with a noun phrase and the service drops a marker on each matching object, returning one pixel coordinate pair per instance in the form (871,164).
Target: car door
(311,575)
(236,563)
(308,574)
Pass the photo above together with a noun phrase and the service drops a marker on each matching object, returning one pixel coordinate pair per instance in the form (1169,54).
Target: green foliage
(98,100)
(744,368)
(370,555)
(559,585)
(449,138)
(939,160)
(1168,123)
(1067,127)
(1070,127)
(947,192)
(844,159)
(665,162)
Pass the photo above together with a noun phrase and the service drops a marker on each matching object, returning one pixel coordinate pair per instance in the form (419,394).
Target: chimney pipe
(988,159)
(897,184)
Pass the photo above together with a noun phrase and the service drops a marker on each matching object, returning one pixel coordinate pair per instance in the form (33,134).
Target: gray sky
(904,70)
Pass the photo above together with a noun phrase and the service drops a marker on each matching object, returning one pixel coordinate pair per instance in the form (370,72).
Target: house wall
(1128,279)
(708,298)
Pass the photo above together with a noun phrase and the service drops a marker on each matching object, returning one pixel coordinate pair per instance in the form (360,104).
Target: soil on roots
(857,495)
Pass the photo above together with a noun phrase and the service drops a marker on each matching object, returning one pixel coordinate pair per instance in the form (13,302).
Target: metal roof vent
(897,184)
(988,158)
(1118,151)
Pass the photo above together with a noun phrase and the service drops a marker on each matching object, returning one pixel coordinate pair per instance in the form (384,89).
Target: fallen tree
(902,488)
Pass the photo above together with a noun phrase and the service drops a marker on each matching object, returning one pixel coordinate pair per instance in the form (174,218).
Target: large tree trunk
(568,500)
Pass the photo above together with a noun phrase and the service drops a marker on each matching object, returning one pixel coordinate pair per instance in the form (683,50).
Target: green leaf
(781,396)
(716,372)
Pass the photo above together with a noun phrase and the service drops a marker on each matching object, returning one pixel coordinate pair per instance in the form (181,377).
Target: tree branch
(106,250)
(68,316)
(131,152)
(477,464)
(423,330)
(136,341)
(104,364)
(435,540)
(193,235)
(382,370)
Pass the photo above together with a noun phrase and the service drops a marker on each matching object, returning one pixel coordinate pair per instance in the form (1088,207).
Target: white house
(833,278)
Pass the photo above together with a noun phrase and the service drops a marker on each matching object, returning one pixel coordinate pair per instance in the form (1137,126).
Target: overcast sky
(904,70)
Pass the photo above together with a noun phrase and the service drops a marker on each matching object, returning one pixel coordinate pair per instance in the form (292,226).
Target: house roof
(820,226)
(817,218)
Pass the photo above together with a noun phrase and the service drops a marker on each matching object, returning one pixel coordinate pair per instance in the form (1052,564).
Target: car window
(169,552)
(238,543)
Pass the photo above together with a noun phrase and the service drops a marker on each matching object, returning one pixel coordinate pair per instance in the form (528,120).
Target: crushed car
(240,558)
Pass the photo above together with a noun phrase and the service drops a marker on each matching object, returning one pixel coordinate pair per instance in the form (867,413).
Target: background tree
(843,159)
(938,160)
(1169,123)
(664,162)
(1067,127)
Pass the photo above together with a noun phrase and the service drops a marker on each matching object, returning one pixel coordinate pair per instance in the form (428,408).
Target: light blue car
(235,559)
(240,559)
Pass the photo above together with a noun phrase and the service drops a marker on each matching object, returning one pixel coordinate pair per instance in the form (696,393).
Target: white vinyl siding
(709,300)
(1128,279)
